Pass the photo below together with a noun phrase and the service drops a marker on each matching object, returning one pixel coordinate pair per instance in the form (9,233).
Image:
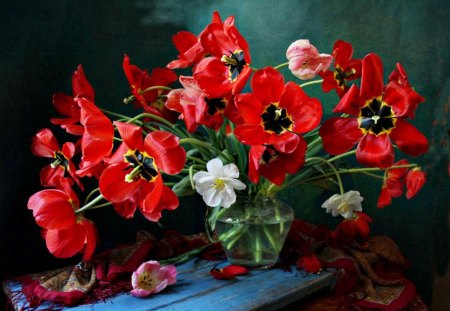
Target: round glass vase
(252,231)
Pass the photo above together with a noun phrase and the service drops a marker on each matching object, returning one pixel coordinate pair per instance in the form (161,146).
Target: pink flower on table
(305,62)
(151,278)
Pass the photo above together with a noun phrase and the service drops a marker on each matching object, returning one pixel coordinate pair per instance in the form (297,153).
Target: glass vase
(252,231)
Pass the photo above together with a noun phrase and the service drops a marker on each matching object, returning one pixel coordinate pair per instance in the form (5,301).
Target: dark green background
(43,42)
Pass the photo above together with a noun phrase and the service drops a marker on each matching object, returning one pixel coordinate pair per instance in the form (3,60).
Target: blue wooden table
(196,289)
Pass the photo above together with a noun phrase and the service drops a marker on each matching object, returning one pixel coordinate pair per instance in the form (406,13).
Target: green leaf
(183,187)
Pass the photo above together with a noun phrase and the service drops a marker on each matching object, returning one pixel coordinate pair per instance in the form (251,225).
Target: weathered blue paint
(197,290)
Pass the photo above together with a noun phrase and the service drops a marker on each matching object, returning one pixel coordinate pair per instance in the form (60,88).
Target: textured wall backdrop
(44,41)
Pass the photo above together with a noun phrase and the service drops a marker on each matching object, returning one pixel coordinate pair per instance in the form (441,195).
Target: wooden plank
(197,290)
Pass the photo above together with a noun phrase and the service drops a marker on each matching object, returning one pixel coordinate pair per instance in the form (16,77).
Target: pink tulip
(151,278)
(305,62)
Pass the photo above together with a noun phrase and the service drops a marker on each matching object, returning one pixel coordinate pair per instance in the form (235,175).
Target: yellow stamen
(343,208)
(219,184)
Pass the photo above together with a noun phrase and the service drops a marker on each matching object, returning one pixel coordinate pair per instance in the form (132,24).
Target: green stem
(311,83)
(258,250)
(343,155)
(131,98)
(153,116)
(156,87)
(375,169)
(201,143)
(336,173)
(100,205)
(90,204)
(281,65)
(184,257)
(118,115)
(91,194)
(194,159)
(364,170)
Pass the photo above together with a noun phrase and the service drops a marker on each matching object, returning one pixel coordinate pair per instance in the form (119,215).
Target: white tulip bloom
(217,185)
(344,204)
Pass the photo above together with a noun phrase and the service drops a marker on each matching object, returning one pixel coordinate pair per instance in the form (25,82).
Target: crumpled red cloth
(108,273)
(370,273)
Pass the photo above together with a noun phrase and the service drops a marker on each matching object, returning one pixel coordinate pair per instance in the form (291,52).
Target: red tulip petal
(415,179)
(309,263)
(267,85)
(165,148)
(68,149)
(306,111)
(339,134)
(44,144)
(66,106)
(254,157)
(235,270)
(241,80)
(350,103)
(286,142)
(91,238)
(184,40)
(65,243)
(151,208)
(126,209)
(252,134)
(342,52)
(409,139)
(250,108)
(113,185)
(375,151)
(371,77)
(52,209)
(229,272)
(213,77)
(173,100)
(48,174)
(398,173)
(131,135)
(395,187)
(384,199)
(81,86)
(329,82)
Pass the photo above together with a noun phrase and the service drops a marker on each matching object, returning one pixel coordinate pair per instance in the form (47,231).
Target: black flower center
(216,105)
(269,155)
(60,160)
(142,164)
(376,117)
(276,119)
(341,76)
(236,62)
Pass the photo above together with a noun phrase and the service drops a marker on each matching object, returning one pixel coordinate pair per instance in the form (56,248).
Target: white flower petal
(231,171)
(348,214)
(236,184)
(212,197)
(214,167)
(202,187)
(228,199)
(344,204)
(199,175)
(207,179)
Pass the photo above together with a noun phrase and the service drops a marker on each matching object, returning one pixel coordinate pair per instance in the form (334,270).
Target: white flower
(344,204)
(217,184)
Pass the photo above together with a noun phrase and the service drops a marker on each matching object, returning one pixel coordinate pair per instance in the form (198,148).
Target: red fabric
(369,273)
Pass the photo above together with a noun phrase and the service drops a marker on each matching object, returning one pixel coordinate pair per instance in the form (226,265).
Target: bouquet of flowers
(229,132)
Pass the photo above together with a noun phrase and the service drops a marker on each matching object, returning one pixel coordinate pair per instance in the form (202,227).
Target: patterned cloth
(106,275)
(369,273)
